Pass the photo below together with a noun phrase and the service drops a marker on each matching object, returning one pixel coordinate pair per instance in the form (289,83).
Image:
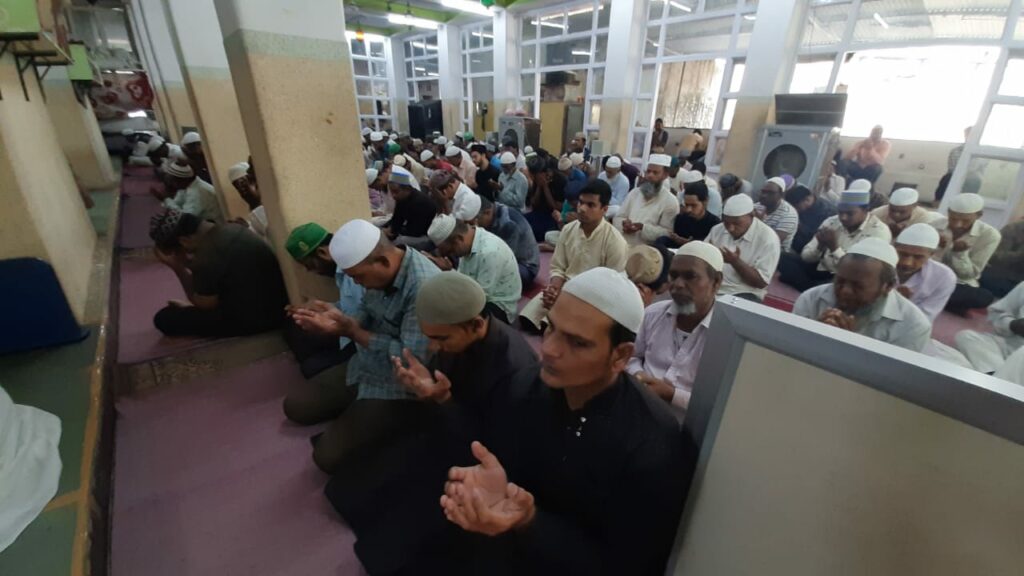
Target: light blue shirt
(619,186)
(351,296)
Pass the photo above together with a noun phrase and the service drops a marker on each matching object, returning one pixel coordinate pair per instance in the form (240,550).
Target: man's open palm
(481,499)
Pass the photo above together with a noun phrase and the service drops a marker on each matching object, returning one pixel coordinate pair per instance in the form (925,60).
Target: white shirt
(459,202)
(619,185)
(895,320)
(982,240)
(1005,311)
(872,227)
(759,247)
(199,199)
(258,221)
(657,214)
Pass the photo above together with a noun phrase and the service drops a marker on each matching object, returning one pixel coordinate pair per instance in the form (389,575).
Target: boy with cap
(617,181)
(820,258)
(987,352)
(862,298)
(778,214)
(192,148)
(599,474)
(650,209)
(229,275)
(378,148)
(483,257)
(414,211)
(192,195)
(511,226)
(250,194)
(384,326)
(966,245)
(926,282)
(512,183)
(748,246)
(903,211)
(671,339)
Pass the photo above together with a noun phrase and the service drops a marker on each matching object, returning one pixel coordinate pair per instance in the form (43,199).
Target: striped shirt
(785,220)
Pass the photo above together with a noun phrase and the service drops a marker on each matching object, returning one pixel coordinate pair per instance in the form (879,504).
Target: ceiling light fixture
(679,6)
(881,21)
(406,20)
(352,35)
(749,17)
(580,53)
(549,24)
(466,6)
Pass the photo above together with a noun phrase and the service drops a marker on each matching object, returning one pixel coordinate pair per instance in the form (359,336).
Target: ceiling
(372,15)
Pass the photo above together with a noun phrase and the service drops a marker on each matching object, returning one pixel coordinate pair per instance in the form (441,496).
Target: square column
(449,67)
(626,33)
(506,62)
(78,131)
(292,72)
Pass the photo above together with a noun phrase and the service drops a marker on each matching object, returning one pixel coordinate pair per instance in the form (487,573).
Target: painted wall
(178,109)
(78,132)
(43,215)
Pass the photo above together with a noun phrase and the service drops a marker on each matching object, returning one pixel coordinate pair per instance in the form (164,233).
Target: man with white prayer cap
(903,211)
(967,243)
(671,339)
(463,165)
(192,148)
(618,182)
(749,248)
(862,299)
(192,195)
(512,184)
(483,257)
(382,205)
(381,410)
(778,214)
(714,195)
(250,194)
(988,351)
(820,258)
(926,282)
(378,147)
(650,209)
(597,480)
(413,213)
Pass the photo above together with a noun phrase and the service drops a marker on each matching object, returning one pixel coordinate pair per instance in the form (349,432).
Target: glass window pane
(363,87)
(688,92)
(601,48)
(528,56)
(647,75)
(889,20)
(360,68)
(385,124)
(597,88)
(718,4)
(595,112)
(1018,33)
(487,36)
(552,25)
(409,69)
(411,87)
(526,86)
(730,111)
(483,89)
(651,42)
(642,114)
(465,40)
(810,76)
(465,87)
(1003,127)
(567,52)
(746,31)
(365,106)
(380,89)
(991,178)
(408,49)
(603,14)
(378,70)
(358,47)
(377,49)
(736,82)
(681,7)
(581,19)
(711,35)
(419,49)
(656,10)
(529,29)
(383,107)
(636,151)
(825,25)
(1013,78)
(431,45)
(430,67)
(481,62)
(474,39)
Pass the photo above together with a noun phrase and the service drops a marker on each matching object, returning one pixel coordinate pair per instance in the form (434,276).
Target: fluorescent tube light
(466,6)
(405,20)
(881,21)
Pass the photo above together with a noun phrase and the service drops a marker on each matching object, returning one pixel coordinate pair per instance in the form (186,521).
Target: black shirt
(240,269)
(810,221)
(413,215)
(487,182)
(689,227)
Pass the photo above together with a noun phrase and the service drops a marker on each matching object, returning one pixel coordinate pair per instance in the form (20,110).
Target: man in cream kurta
(967,245)
(750,249)
(650,209)
(988,352)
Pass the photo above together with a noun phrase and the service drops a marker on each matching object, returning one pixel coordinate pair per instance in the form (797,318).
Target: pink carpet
(146,286)
(212,481)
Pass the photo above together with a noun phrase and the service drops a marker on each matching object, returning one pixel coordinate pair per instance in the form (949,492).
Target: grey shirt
(513,190)
(893,319)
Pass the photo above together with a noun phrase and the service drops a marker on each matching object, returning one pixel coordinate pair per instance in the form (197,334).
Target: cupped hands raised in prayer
(319,317)
(481,499)
(417,379)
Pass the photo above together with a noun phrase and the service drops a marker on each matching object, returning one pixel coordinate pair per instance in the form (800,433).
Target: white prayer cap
(611,293)
(393,137)
(903,197)
(441,140)
(399,160)
(508,158)
(179,170)
(426,155)
(353,242)
(441,228)
(154,143)
(371,175)
(127,132)
(528,150)
(690,176)
(920,234)
(967,203)
(660,160)
(376,136)
(738,205)
(614,163)
(876,248)
(238,170)
(190,138)
(417,142)
(469,208)
(860,185)
(452,151)
(778,181)
(366,131)
(564,163)
(174,152)
(576,158)
(705,252)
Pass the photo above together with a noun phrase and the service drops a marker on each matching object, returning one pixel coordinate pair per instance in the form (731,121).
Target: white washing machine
(800,151)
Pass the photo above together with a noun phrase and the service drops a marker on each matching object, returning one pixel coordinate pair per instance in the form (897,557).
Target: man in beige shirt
(903,211)
(750,250)
(966,245)
(650,209)
(589,242)
(866,158)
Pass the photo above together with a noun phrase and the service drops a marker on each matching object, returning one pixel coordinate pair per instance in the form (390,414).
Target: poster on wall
(120,94)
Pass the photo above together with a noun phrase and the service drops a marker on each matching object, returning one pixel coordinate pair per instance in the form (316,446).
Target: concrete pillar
(626,33)
(770,62)
(43,215)
(178,111)
(449,66)
(78,132)
(401,88)
(506,63)
(204,67)
(292,72)
(145,49)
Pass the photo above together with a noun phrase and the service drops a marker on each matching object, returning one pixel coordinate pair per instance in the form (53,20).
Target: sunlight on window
(927,93)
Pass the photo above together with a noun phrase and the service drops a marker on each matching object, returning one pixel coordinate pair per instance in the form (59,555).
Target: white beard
(688,309)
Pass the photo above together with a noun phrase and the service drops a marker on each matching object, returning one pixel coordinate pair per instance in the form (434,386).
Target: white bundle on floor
(29,465)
